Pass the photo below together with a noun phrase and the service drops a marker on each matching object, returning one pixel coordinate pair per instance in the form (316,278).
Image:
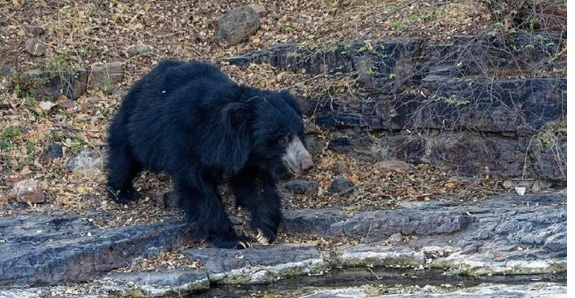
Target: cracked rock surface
(516,291)
(506,234)
(62,247)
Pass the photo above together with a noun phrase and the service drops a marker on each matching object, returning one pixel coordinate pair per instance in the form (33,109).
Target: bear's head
(278,134)
(260,128)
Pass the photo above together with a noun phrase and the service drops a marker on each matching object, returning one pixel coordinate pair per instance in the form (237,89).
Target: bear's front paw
(265,236)
(123,196)
(238,242)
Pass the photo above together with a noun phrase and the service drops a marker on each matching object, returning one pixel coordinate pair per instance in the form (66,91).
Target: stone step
(157,283)
(62,247)
(502,235)
(261,264)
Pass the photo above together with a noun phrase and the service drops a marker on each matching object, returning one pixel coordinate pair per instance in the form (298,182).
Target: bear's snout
(297,159)
(305,161)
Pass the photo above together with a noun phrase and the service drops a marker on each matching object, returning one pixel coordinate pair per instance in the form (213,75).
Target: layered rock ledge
(507,234)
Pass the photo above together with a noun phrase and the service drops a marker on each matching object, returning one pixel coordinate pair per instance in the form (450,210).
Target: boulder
(237,25)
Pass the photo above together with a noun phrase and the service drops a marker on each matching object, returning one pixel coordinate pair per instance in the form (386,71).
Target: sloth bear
(192,122)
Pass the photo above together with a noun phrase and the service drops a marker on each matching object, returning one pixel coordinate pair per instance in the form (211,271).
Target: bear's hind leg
(122,169)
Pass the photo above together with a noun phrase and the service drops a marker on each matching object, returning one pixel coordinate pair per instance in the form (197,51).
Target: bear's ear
(237,114)
(290,100)
(228,144)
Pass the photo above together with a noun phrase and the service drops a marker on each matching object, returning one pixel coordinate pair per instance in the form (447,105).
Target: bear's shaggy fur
(192,122)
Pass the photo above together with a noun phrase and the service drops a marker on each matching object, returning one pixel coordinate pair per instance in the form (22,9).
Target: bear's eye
(283,140)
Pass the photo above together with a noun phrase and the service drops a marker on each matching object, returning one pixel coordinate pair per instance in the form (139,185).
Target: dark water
(378,276)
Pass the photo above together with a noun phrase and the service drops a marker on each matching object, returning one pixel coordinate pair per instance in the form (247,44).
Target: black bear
(194,123)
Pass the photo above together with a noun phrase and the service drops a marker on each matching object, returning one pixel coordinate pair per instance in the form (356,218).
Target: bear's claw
(262,238)
(244,244)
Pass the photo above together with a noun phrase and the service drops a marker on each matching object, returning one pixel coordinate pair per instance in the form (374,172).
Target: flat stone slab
(542,290)
(312,221)
(371,256)
(505,234)
(60,247)
(260,264)
(161,283)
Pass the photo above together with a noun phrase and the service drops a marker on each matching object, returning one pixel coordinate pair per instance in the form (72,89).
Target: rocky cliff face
(477,104)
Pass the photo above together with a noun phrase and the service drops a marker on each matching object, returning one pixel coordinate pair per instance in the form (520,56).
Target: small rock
(67,104)
(53,151)
(105,76)
(314,145)
(46,105)
(340,168)
(260,9)
(86,160)
(536,188)
(56,4)
(520,190)
(7,71)
(395,165)
(27,191)
(508,184)
(301,186)
(525,183)
(341,186)
(33,31)
(35,47)
(395,238)
(143,49)
(340,145)
(237,25)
